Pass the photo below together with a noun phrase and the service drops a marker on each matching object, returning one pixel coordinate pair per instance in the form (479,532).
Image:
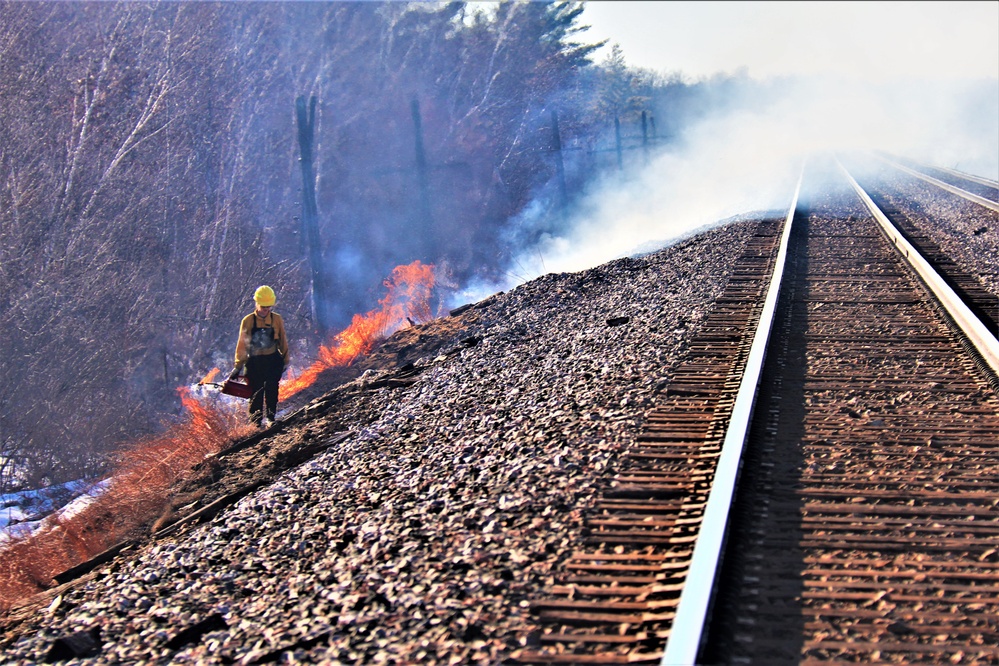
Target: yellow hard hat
(265,296)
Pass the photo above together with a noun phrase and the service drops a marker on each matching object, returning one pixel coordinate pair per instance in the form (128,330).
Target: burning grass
(409,290)
(144,472)
(135,493)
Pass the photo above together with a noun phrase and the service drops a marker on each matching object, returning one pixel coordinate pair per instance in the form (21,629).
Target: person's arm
(242,348)
(282,340)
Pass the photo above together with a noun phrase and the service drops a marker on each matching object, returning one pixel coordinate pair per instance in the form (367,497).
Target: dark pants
(263,374)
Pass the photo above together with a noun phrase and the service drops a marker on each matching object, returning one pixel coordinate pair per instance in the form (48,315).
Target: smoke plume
(744,156)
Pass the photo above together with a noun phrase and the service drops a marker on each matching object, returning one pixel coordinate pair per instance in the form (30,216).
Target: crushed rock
(408,514)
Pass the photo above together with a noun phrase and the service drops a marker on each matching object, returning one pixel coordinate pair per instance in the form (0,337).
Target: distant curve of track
(865,522)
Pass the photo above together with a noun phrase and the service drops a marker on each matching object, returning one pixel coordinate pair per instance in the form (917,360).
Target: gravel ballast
(419,535)
(443,503)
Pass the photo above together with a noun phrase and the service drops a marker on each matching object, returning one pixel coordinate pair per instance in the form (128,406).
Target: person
(262,349)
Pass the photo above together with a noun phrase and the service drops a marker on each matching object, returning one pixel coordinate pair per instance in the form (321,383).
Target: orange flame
(409,290)
(148,468)
(210,377)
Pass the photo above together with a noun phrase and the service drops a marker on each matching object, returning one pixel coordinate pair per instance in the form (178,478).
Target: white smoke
(745,157)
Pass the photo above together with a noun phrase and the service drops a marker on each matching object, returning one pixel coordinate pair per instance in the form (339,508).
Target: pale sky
(873,41)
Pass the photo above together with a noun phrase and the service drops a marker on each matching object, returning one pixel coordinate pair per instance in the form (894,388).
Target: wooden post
(426,220)
(310,213)
(559,166)
(645,137)
(617,143)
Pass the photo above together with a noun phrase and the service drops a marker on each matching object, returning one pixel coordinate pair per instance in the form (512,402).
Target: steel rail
(688,626)
(984,342)
(862,528)
(981,201)
(987,182)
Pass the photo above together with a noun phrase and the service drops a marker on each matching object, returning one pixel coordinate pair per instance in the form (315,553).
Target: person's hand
(234,373)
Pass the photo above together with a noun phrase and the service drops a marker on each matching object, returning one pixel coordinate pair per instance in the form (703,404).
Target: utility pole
(310,213)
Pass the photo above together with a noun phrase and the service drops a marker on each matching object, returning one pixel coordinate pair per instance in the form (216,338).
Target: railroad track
(982,191)
(864,525)
(911,223)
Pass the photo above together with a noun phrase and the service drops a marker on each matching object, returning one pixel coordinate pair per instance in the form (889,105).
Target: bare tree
(149,182)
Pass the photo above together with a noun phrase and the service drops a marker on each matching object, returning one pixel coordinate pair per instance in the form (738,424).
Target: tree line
(150,180)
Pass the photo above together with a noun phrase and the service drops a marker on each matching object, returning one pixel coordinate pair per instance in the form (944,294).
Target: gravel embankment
(420,537)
